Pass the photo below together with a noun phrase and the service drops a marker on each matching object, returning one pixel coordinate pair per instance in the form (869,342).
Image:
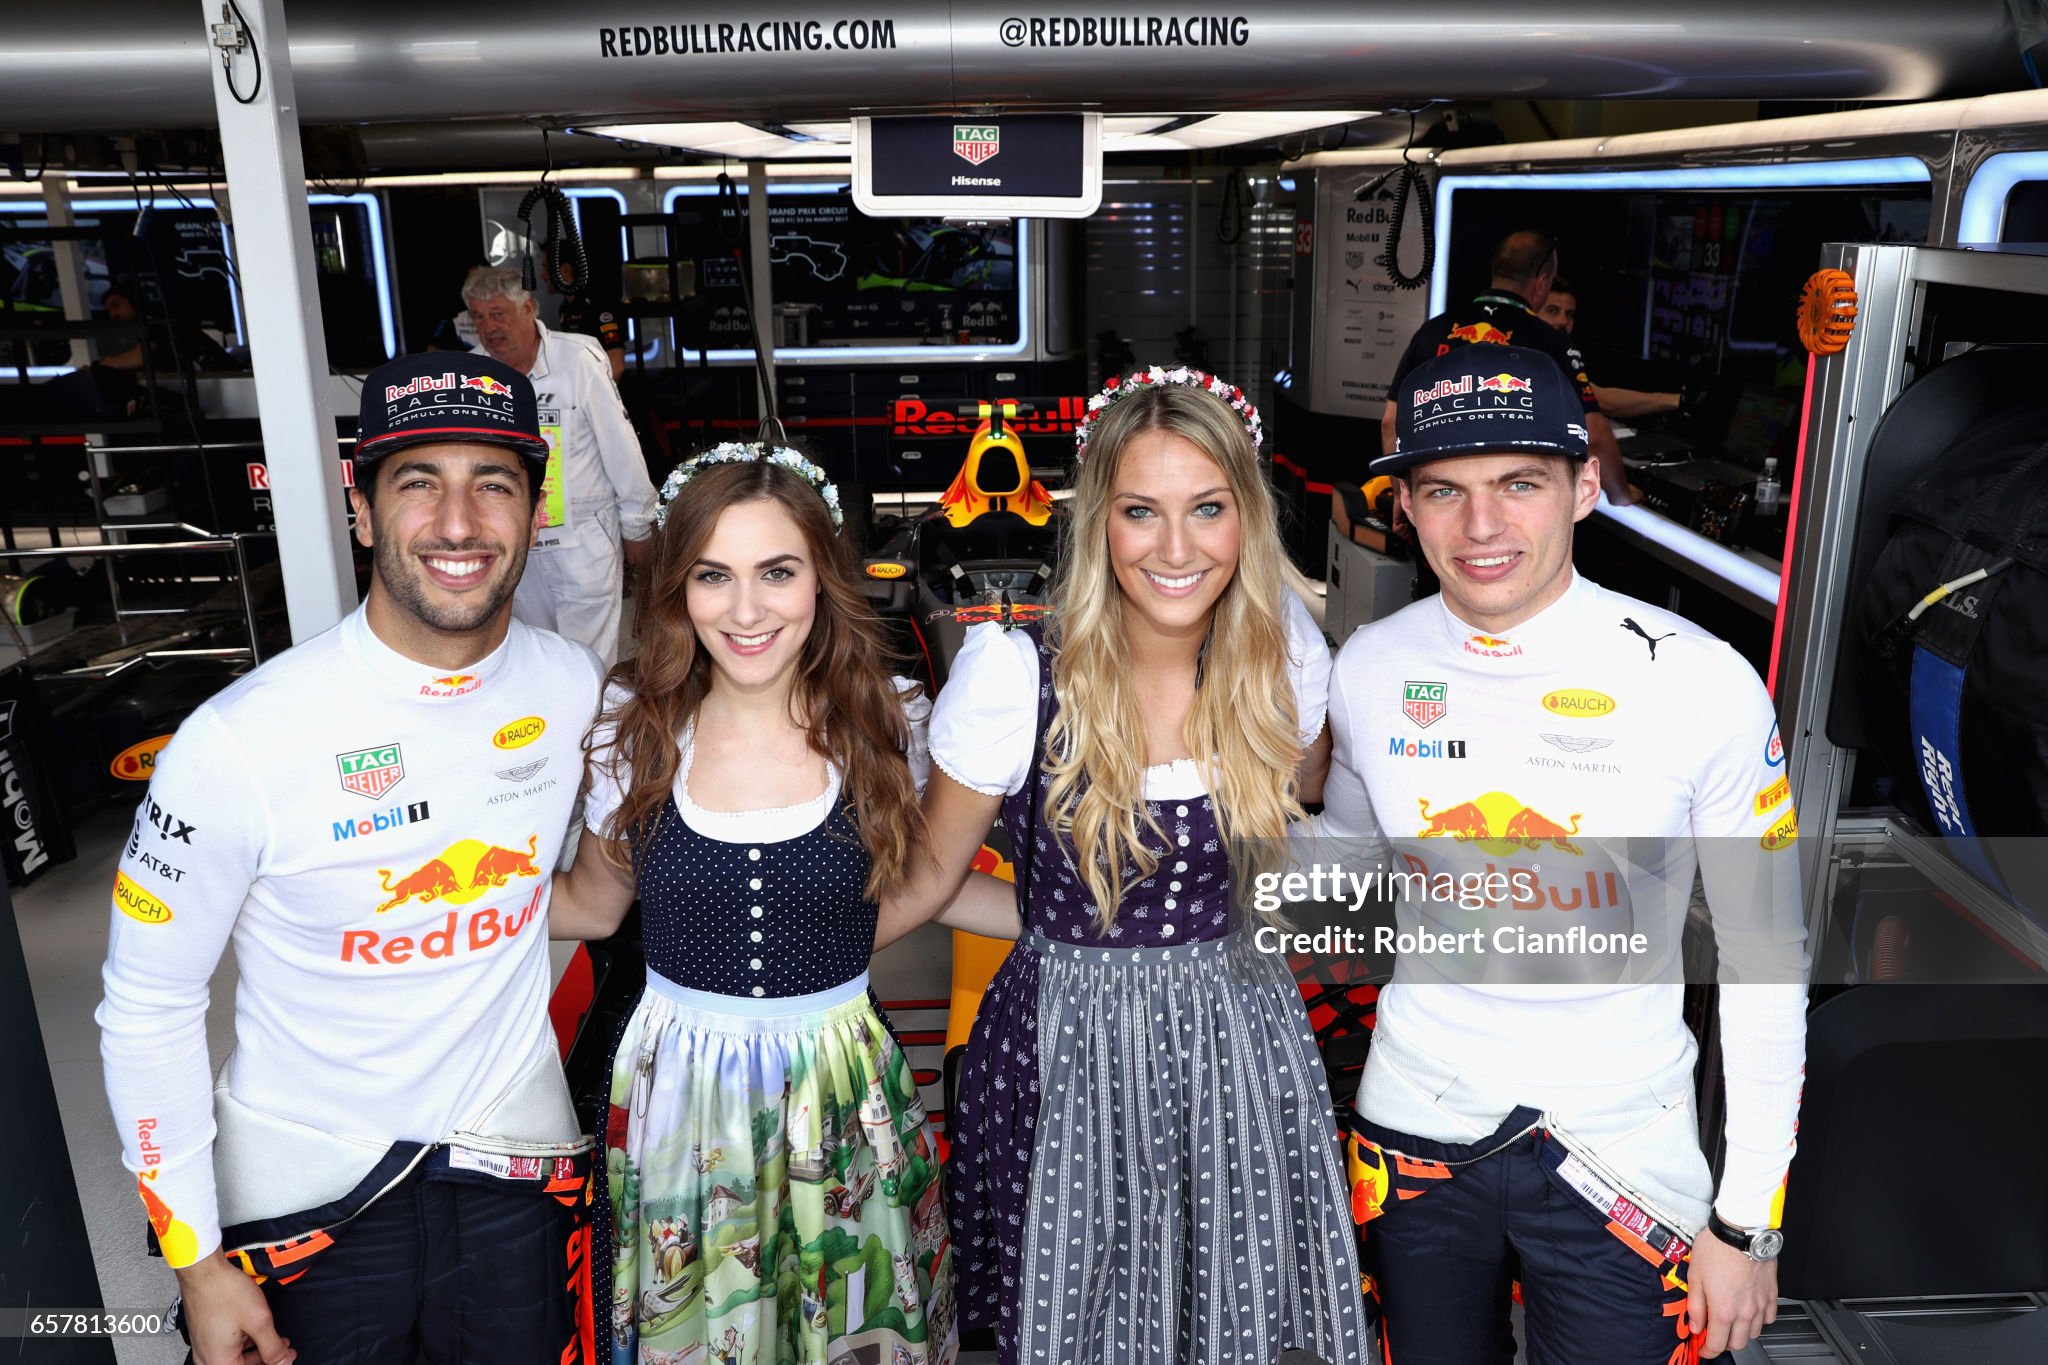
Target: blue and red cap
(1484,400)
(448,396)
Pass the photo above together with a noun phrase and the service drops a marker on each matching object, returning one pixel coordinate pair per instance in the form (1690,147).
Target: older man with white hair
(598,500)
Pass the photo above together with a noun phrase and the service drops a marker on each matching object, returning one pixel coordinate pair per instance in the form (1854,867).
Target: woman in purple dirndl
(1144,1164)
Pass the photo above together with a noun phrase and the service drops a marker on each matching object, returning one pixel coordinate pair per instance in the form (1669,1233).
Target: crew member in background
(1525,265)
(601,319)
(457,332)
(1561,310)
(1526,1117)
(598,500)
(390,1161)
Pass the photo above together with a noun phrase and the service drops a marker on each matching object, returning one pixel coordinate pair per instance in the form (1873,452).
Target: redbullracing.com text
(1157,30)
(768,35)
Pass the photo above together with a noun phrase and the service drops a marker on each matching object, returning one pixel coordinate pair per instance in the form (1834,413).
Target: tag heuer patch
(371,772)
(1425,702)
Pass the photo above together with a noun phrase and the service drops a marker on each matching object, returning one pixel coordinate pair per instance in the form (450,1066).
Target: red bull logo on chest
(466,870)
(1498,823)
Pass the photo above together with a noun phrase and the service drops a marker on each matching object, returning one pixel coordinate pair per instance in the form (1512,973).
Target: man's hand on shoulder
(228,1318)
(1732,1296)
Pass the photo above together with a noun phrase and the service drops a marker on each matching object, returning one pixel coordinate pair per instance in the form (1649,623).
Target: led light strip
(377,256)
(1982,218)
(1713,557)
(1886,170)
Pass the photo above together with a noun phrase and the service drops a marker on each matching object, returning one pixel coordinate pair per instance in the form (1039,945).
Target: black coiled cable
(566,242)
(1409,180)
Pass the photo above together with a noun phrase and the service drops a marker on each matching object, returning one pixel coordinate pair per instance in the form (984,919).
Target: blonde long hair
(1242,728)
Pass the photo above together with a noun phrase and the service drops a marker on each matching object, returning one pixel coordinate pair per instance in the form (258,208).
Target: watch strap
(1759,1244)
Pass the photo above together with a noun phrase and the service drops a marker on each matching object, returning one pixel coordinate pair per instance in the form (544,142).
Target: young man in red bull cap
(388,1168)
(1527,1112)
(1524,266)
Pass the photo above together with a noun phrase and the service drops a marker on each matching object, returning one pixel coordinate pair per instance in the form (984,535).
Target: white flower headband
(737,452)
(1122,386)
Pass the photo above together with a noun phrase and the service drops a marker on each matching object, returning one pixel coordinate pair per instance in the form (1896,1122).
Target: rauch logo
(519,733)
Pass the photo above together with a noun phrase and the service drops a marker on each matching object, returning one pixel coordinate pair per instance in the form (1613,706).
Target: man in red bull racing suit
(388,1167)
(1527,1109)
(1524,266)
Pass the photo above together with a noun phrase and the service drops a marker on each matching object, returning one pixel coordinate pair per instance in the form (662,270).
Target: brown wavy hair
(843,695)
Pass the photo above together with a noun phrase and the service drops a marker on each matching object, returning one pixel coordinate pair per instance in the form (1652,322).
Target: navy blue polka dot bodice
(759,918)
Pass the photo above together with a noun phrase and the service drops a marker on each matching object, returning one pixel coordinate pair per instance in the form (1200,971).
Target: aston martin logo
(1576,744)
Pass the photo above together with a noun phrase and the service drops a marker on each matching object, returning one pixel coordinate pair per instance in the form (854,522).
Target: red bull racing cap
(1484,400)
(448,396)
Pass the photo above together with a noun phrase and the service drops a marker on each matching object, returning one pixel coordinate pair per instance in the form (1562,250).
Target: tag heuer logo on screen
(1425,702)
(977,141)
(371,772)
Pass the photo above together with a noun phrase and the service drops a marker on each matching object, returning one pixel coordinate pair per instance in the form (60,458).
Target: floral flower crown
(1122,386)
(737,452)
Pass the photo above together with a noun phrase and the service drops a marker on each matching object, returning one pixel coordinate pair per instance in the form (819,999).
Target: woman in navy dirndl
(773,1185)
(1144,1163)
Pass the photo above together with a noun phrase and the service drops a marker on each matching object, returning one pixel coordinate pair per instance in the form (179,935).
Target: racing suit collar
(1532,638)
(396,672)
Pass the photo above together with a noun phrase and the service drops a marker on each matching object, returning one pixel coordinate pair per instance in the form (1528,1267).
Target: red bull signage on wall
(915,417)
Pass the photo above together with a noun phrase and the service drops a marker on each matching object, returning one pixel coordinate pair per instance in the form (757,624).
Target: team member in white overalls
(390,1152)
(598,501)
(1530,1117)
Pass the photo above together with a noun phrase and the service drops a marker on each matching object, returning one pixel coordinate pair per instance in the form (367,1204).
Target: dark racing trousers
(452,1267)
(1448,1229)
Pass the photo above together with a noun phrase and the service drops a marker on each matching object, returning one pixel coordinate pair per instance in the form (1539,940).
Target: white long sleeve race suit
(1606,748)
(376,836)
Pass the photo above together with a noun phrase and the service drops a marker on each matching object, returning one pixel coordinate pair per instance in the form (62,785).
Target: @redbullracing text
(1156,30)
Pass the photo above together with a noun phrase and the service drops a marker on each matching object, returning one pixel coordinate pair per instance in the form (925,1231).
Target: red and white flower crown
(1122,386)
